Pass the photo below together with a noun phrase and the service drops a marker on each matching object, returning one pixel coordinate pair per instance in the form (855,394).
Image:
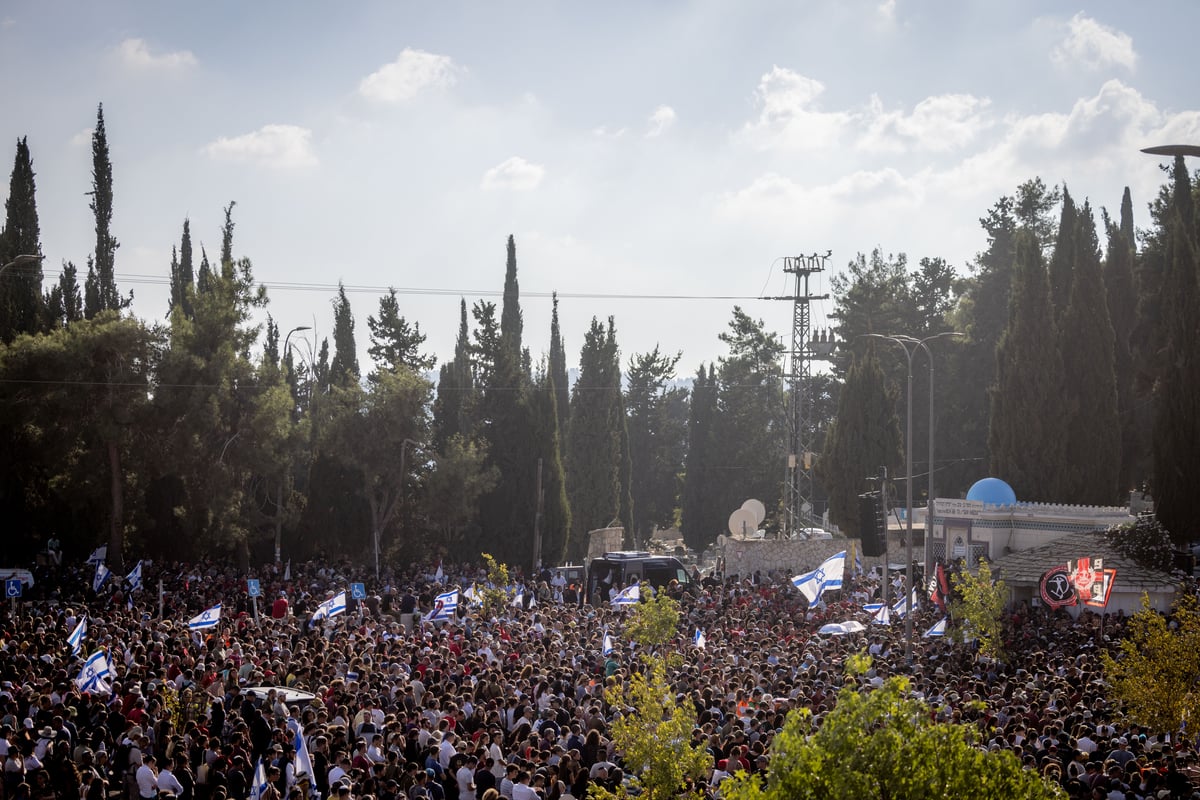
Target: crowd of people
(377,703)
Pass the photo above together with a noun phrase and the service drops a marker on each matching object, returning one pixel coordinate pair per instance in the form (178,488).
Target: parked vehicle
(622,567)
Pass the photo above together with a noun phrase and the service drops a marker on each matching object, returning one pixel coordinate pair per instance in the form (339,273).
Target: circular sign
(1056,588)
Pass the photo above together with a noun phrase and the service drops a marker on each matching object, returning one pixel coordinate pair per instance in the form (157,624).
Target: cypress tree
(864,436)
(510,311)
(1026,438)
(1093,433)
(343,370)
(657,424)
(21,304)
(700,522)
(1120,290)
(558,371)
(204,276)
(555,524)
(455,390)
(1062,262)
(182,273)
(593,442)
(101,294)
(72,301)
(1177,417)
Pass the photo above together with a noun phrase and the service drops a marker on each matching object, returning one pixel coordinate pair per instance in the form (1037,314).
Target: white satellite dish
(757,508)
(741,522)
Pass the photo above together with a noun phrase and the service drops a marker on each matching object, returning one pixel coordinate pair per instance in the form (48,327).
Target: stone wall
(788,558)
(605,540)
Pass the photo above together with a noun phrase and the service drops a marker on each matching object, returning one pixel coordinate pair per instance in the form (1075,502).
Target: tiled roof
(1026,567)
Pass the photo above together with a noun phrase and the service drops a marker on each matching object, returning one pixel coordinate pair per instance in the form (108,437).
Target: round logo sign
(1056,588)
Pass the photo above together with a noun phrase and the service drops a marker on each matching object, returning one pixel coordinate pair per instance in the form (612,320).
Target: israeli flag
(207,619)
(444,607)
(607,646)
(904,604)
(303,759)
(699,639)
(102,575)
(518,600)
(827,576)
(882,615)
(628,596)
(260,784)
(98,555)
(94,675)
(439,576)
(331,607)
(76,637)
(472,596)
(134,578)
(938,629)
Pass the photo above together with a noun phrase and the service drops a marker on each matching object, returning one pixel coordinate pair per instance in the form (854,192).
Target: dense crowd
(512,706)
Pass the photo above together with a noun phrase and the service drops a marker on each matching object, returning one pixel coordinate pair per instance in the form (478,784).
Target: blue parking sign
(254,588)
(12,587)
(358,591)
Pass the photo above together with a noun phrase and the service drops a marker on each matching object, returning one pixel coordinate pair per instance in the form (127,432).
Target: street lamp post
(283,478)
(22,260)
(910,345)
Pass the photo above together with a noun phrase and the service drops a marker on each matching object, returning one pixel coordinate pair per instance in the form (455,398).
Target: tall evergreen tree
(1087,343)
(1026,435)
(864,437)
(657,423)
(700,519)
(204,275)
(1177,412)
(453,407)
(182,273)
(72,301)
(1065,256)
(394,342)
(101,279)
(555,523)
(624,468)
(594,441)
(21,304)
(1121,292)
(343,370)
(558,371)
(511,323)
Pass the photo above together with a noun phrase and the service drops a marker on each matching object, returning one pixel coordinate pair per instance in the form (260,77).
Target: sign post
(358,593)
(12,590)
(254,588)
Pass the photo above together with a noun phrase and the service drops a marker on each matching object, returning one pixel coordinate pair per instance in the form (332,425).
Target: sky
(637,151)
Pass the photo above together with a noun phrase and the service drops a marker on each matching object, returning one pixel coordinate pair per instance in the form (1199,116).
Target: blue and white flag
(207,619)
(134,578)
(518,600)
(628,596)
(76,637)
(439,575)
(607,646)
(303,759)
(331,607)
(472,596)
(260,782)
(102,575)
(445,605)
(903,604)
(95,674)
(858,565)
(938,629)
(98,555)
(882,615)
(827,576)
(699,639)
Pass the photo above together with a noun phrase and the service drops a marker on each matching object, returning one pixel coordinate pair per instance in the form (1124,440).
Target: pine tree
(1122,311)
(558,371)
(864,437)
(1177,418)
(594,443)
(394,342)
(21,303)
(699,518)
(1093,435)
(101,279)
(343,370)
(1026,437)
(1065,256)
(204,276)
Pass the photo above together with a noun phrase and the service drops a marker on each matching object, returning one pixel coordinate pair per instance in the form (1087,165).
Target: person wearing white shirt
(167,782)
(465,777)
(147,779)
(522,790)
(446,749)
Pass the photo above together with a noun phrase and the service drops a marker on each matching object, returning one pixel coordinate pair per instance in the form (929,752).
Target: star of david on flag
(827,576)
(102,574)
(331,607)
(444,607)
(607,646)
(94,675)
(206,619)
(134,578)
(628,596)
(76,637)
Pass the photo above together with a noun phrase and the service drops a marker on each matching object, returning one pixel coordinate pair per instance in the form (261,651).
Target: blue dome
(993,491)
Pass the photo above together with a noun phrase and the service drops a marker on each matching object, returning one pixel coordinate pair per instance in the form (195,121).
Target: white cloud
(772,199)
(938,123)
(411,73)
(515,174)
(135,53)
(887,10)
(789,116)
(274,146)
(1094,45)
(84,137)
(660,121)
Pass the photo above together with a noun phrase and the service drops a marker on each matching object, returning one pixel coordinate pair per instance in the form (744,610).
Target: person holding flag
(95,674)
(627,596)
(101,576)
(445,605)
(75,640)
(133,581)
(827,576)
(331,607)
(699,639)
(206,619)
(607,646)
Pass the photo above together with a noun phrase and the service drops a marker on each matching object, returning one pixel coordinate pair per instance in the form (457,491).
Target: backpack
(120,760)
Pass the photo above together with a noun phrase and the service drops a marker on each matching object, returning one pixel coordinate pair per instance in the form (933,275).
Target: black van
(622,567)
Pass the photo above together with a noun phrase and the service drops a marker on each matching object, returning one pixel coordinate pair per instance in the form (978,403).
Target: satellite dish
(756,508)
(742,522)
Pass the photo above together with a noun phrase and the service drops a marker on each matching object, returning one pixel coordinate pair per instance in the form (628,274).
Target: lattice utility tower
(805,349)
